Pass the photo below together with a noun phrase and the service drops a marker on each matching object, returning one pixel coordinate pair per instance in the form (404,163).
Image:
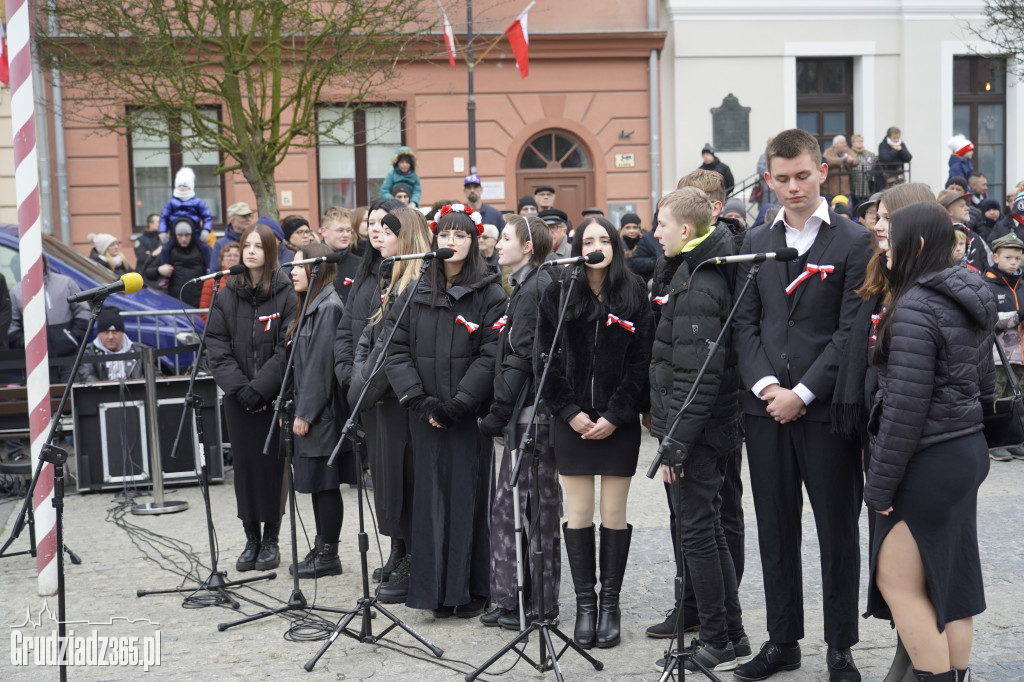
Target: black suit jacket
(801,337)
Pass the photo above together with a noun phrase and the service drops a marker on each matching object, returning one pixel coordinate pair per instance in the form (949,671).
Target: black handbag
(1004,418)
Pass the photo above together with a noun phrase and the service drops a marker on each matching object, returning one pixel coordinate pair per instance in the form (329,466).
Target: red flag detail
(5,66)
(519,38)
(449,38)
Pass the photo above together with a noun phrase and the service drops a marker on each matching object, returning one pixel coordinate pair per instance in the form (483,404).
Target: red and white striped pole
(26,179)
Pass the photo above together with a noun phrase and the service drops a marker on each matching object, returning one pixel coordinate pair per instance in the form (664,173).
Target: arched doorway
(557,158)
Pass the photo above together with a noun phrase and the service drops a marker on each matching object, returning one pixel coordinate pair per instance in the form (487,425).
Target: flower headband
(461,208)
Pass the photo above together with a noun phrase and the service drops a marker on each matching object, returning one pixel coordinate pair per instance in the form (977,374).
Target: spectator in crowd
(147,245)
(297,233)
(958,183)
(867,211)
(545,197)
(1003,279)
(990,213)
(284,254)
(187,259)
(1013,221)
(230,255)
(110,340)
(402,192)
(960,248)
(185,204)
(713,163)
(862,175)
(961,150)
(474,192)
(645,257)
(592,210)
(630,233)
(403,170)
(841,161)
(488,240)
(1011,194)
(527,206)
(240,218)
(336,230)
(106,250)
(977,182)
(733,209)
(892,155)
(359,226)
(556,222)
(767,194)
(978,253)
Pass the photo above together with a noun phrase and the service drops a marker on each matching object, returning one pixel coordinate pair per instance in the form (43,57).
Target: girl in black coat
(245,335)
(441,366)
(320,411)
(929,455)
(596,389)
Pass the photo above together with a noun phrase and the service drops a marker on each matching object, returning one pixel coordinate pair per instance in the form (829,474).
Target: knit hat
(960,145)
(734,205)
(629,218)
(102,241)
(400,187)
(274,226)
(842,209)
(392,223)
(109,320)
(707,149)
(526,201)
(186,176)
(959,181)
(184,225)
(290,225)
(988,205)
(840,199)
(1017,207)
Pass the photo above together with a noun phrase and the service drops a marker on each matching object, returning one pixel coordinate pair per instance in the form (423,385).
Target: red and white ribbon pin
(268,319)
(501,322)
(661,300)
(347,281)
(471,326)
(625,324)
(811,271)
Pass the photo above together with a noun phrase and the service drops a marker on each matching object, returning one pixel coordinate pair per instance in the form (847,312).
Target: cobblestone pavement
(104,587)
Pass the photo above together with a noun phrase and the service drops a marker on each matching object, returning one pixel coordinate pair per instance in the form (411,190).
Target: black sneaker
(841,667)
(1016,452)
(1000,455)
(714,658)
(396,589)
(471,609)
(491,618)
(659,664)
(771,659)
(443,611)
(667,627)
(741,646)
(510,621)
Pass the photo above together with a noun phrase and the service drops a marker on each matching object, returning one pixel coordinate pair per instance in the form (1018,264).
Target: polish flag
(5,66)
(520,40)
(449,36)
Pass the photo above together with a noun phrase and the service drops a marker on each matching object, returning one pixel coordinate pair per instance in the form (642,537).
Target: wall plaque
(730,125)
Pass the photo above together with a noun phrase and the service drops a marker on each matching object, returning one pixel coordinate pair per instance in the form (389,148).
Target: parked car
(159,331)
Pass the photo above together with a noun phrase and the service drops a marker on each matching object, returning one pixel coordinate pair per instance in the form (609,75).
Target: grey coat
(318,398)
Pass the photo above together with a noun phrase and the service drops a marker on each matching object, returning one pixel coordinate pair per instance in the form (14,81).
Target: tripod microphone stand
(366,606)
(216,583)
(297,600)
(674,454)
(548,657)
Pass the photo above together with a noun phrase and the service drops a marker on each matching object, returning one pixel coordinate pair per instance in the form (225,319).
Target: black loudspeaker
(112,438)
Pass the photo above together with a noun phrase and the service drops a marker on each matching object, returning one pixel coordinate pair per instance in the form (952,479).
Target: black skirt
(938,499)
(259,479)
(615,455)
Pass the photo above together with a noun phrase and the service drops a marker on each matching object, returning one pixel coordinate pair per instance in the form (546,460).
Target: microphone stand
(674,454)
(354,433)
(297,601)
(216,583)
(548,657)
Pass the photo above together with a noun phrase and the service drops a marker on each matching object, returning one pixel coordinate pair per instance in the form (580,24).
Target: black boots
(269,556)
(614,553)
(325,562)
(383,573)
(948,676)
(579,546)
(247,559)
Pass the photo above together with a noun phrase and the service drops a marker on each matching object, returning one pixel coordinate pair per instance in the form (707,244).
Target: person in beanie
(1013,221)
(297,233)
(184,204)
(402,192)
(960,152)
(990,213)
(958,183)
(1003,280)
(403,170)
(106,250)
(630,233)
(186,259)
(110,340)
(713,163)
(527,206)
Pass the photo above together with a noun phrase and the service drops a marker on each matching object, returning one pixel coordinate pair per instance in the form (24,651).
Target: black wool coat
(938,373)
(599,364)
(318,398)
(363,301)
(694,307)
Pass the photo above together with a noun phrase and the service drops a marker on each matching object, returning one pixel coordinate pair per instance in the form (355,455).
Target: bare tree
(1004,28)
(138,64)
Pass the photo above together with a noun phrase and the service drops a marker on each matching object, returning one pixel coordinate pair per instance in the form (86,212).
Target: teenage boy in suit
(790,332)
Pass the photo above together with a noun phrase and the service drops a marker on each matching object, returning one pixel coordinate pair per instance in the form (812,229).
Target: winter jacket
(890,164)
(839,169)
(977,252)
(601,362)
(959,166)
(245,335)
(1004,226)
(395,176)
(693,311)
(95,368)
(66,323)
(363,301)
(938,372)
(317,395)
(118,271)
(345,277)
(189,262)
(448,351)
(1009,297)
(646,255)
(194,208)
(723,170)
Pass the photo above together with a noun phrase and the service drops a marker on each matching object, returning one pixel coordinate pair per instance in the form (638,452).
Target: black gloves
(450,413)
(250,399)
(491,425)
(423,406)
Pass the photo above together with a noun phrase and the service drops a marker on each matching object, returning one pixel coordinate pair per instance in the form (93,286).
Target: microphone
(592,258)
(785,254)
(236,269)
(332,257)
(440,254)
(129,283)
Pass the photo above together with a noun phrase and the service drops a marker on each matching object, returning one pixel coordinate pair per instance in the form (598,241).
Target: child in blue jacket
(185,204)
(403,171)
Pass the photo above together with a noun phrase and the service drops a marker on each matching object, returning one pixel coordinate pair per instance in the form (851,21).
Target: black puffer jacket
(938,373)
(436,353)
(318,397)
(363,300)
(693,311)
(245,335)
(599,364)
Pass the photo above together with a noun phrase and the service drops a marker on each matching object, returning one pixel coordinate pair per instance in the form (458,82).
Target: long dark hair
(270,260)
(911,261)
(622,292)
(371,256)
(473,268)
(324,278)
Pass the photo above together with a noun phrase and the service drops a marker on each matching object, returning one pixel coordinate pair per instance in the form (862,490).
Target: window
(352,166)
(979,112)
(553,149)
(824,97)
(155,160)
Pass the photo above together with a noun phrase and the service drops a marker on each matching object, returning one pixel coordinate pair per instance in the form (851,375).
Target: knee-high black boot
(247,559)
(613,555)
(948,676)
(579,546)
(269,556)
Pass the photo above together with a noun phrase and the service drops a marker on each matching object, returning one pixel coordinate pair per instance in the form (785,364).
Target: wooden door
(573,192)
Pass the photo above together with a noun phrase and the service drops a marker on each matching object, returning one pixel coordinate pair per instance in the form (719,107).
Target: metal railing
(174,327)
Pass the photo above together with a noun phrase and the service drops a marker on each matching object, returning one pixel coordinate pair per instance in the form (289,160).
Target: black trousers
(783,458)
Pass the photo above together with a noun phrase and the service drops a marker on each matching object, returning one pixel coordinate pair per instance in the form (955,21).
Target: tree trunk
(264,186)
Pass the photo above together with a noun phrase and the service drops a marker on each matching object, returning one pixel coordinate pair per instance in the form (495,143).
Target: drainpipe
(43,145)
(655,142)
(58,146)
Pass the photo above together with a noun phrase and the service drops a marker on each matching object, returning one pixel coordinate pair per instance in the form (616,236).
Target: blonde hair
(689,205)
(336,213)
(710,182)
(960,236)
(414,237)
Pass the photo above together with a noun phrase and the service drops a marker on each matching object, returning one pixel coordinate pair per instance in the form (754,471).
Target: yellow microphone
(129,283)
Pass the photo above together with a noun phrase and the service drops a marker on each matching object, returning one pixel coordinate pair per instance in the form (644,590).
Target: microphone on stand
(332,257)
(440,254)
(592,258)
(785,254)
(237,269)
(129,283)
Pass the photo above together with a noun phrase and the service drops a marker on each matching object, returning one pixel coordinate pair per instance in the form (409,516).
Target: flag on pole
(449,36)
(5,66)
(520,40)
